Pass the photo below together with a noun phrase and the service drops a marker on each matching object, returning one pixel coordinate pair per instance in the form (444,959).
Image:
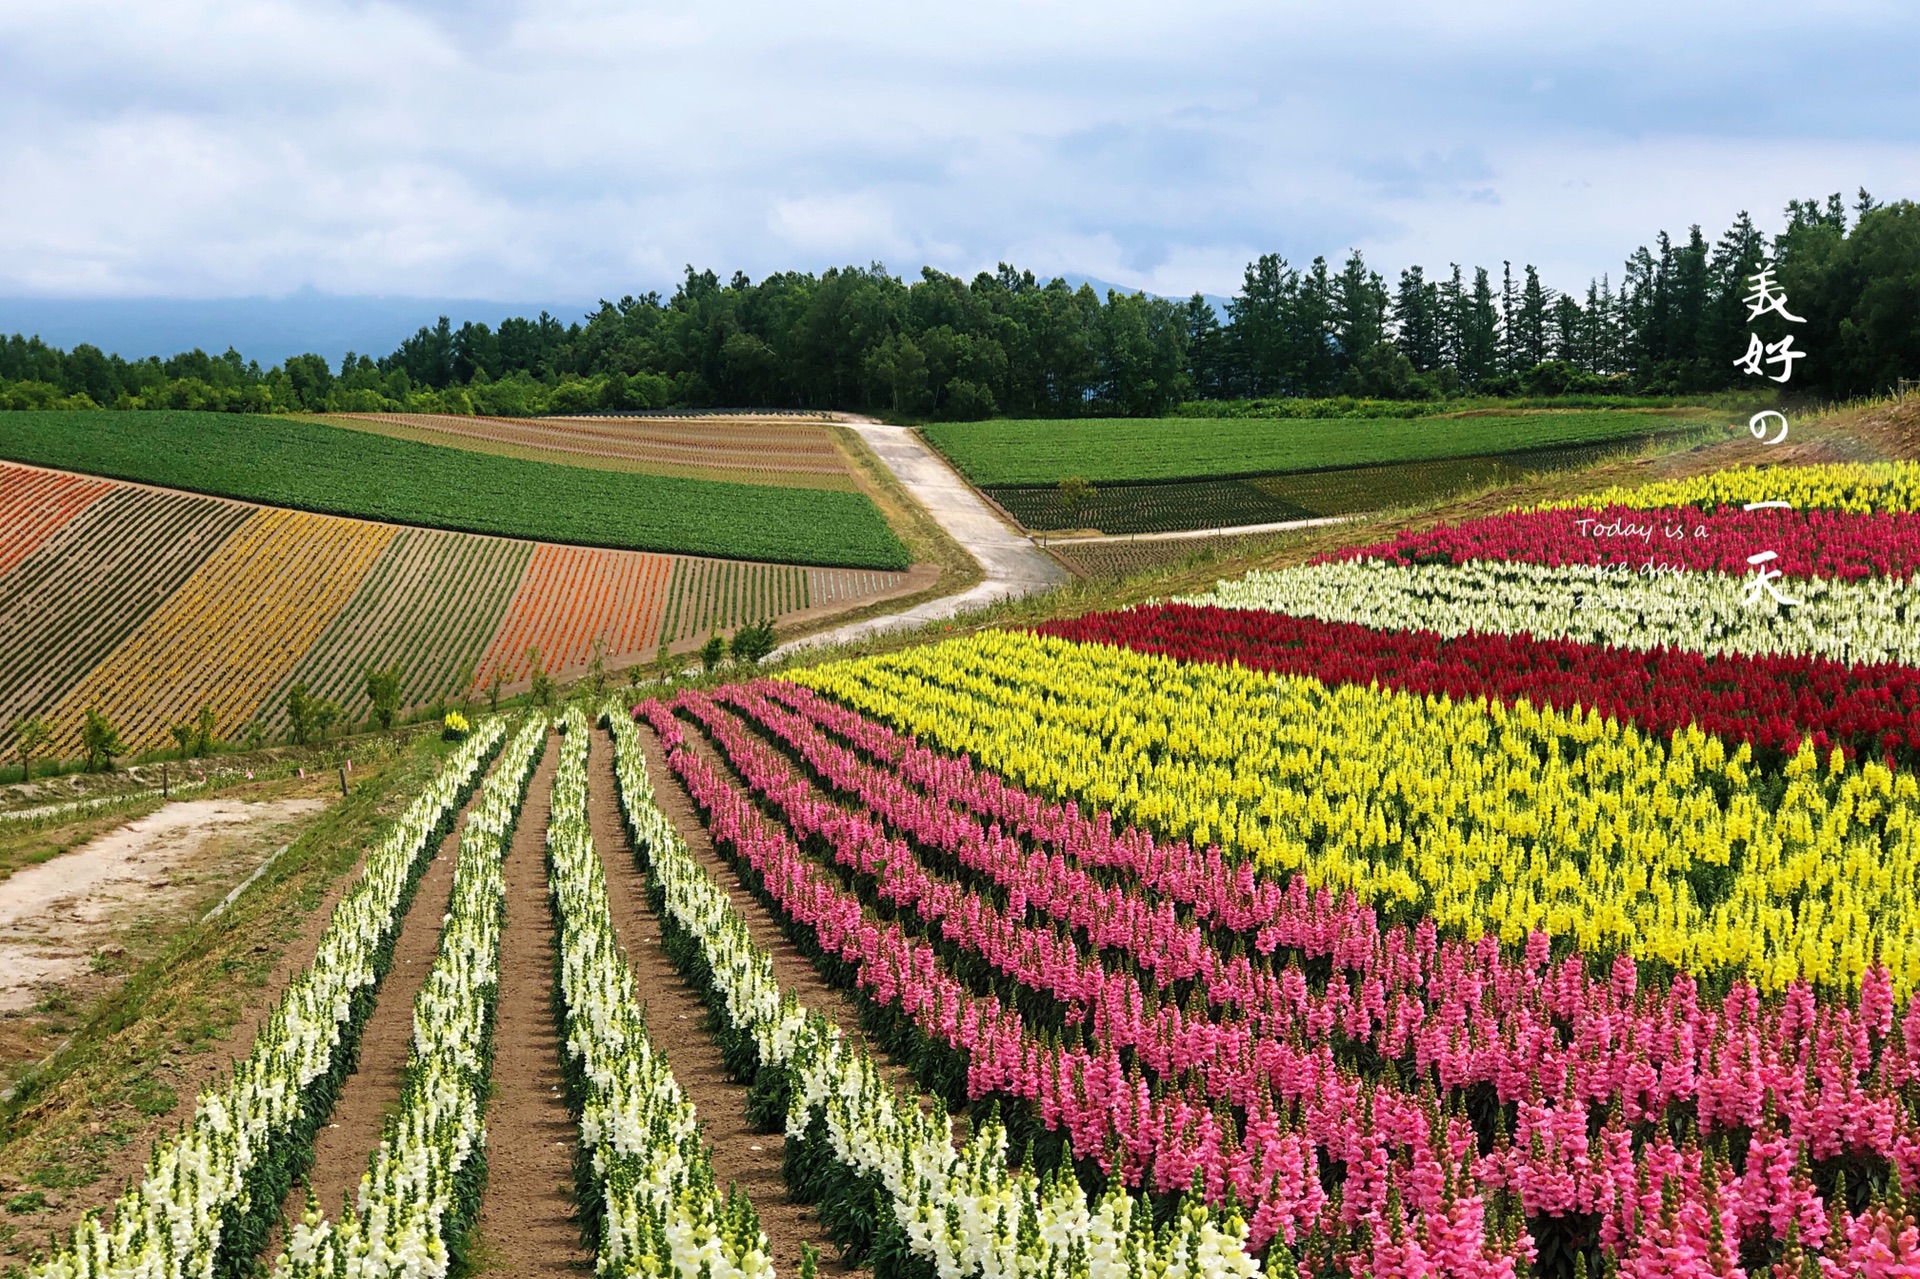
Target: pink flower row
(1464,1014)
(1325,1111)
(1816,543)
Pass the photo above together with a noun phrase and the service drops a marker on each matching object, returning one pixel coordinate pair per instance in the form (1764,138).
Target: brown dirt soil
(342,1148)
(73,926)
(527,1224)
(676,1022)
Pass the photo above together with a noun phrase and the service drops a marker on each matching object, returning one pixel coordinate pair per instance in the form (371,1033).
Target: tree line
(1673,322)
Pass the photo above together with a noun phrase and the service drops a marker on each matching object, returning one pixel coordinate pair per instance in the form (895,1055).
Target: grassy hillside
(316,467)
(1118,450)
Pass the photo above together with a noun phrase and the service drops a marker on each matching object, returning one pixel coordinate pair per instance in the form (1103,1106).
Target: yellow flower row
(1861,487)
(231,633)
(1486,817)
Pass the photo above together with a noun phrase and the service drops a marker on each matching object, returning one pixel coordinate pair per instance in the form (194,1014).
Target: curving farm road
(1013,565)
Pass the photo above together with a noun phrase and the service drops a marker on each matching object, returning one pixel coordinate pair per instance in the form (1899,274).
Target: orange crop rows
(572,596)
(35,503)
(231,633)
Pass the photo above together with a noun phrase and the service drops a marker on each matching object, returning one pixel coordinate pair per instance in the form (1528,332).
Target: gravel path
(1014,566)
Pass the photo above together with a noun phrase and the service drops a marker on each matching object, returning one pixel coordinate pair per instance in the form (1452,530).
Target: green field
(1294,495)
(315,467)
(1122,449)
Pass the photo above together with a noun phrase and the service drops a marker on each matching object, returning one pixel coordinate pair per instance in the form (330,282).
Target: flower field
(83,590)
(150,604)
(35,503)
(1419,940)
(1455,905)
(232,631)
(428,606)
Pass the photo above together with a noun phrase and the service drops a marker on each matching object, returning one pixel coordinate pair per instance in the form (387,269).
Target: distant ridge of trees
(861,339)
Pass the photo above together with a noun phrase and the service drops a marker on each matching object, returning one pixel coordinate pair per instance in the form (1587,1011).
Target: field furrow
(81,592)
(230,634)
(573,601)
(34,504)
(429,605)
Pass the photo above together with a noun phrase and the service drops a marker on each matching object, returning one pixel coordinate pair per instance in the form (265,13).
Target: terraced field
(34,503)
(775,451)
(85,588)
(231,633)
(429,605)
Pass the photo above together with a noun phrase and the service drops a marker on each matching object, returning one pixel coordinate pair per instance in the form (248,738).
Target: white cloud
(504,148)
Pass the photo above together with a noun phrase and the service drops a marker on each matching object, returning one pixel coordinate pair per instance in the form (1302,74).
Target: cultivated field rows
(765,451)
(151,604)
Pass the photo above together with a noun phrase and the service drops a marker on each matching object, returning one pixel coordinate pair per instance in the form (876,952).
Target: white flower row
(659,1211)
(171,1222)
(400,1224)
(965,1212)
(1864,621)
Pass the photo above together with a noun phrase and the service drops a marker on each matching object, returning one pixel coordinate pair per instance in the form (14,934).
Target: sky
(575,149)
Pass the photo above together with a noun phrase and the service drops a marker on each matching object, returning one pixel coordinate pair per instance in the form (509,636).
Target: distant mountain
(263,329)
(1101,286)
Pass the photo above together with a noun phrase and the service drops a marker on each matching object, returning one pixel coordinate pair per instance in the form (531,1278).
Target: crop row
(232,631)
(84,590)
(1291,495)
(34,504)
(209,1194)
(884,1172)
(422,1187)
(427,607)
(754,453)
(1771,1087)
(1481,816)
(647,1190)
(1771,702)
(710,595)
(572,603)
(1875,620)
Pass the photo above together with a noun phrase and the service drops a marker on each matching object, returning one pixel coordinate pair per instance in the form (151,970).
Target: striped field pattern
(429,605)
(231,633)
(34,503)
(709,595)
(573,600)
(83,590)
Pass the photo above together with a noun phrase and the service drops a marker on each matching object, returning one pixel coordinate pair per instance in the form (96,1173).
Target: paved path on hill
(1013,565)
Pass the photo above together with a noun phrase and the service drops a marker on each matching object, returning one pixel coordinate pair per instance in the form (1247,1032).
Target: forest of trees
(1006,343)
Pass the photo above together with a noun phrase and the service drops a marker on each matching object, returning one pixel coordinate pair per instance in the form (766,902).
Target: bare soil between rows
(344,1144)
(677,1024)
(527,1221)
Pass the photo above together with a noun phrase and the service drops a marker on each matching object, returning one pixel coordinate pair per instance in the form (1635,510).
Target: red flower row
(1771,701)
(1829,544)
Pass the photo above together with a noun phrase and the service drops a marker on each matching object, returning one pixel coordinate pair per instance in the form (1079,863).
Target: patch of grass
(1118,450)
(27,1201)
(315,466)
